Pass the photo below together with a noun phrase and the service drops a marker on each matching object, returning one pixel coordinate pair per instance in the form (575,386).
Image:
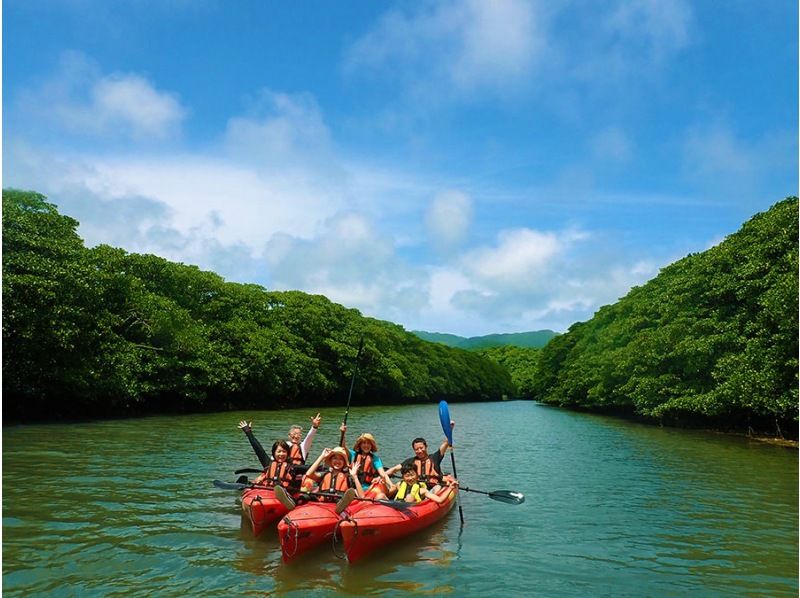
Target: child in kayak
(333,483)
(428,467)
(364,454)
(411,489)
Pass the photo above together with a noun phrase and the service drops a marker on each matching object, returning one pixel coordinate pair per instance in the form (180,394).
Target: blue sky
(467,167)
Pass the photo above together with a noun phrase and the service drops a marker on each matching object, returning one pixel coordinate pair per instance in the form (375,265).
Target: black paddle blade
(230,485)
(508,496)
(248,470)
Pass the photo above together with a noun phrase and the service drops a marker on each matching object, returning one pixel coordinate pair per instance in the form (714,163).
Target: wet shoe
(345,501)
(284,498)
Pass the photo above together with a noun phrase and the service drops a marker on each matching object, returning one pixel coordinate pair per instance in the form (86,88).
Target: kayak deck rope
(252,518)
(291,528)
(336,535)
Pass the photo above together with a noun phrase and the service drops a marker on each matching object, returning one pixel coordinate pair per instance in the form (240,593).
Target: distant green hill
(536,339)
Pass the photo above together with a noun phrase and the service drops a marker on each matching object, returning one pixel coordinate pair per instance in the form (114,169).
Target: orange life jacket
(333,482)
(426,471)
(366,470)
(276,473)
(296,454)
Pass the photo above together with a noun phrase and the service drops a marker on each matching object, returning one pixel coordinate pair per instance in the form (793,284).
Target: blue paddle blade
(444,419)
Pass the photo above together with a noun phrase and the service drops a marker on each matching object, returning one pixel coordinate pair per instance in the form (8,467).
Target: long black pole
(350,394)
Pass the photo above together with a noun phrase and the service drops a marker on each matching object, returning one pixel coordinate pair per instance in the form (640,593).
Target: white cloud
(448,219)
(350,263)
(282,132)
(459,45)
(519,257)
(80,99)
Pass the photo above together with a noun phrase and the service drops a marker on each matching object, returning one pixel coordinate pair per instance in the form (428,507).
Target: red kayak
(372,526)
(310,524)
(305,527)
(261,508)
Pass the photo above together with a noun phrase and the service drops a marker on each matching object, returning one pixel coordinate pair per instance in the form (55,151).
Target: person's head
(280,450)
(295,433)
(337,458)
(420,447)
(409,473)
(366,443)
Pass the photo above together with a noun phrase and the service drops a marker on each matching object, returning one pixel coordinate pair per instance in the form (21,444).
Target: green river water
(613,508)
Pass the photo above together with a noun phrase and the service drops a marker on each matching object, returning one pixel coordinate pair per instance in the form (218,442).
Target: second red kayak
(372,526)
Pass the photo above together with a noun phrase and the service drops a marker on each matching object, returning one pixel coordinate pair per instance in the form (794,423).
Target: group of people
(338,469)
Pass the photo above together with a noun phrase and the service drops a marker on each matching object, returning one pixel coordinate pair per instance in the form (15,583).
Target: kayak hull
(374,525)
(261,509)
(306,527)
(309,525)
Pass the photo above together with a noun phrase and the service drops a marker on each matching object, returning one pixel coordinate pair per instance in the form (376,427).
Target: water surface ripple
(613,508)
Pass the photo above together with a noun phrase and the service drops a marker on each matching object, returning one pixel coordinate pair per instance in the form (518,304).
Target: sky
(468,167)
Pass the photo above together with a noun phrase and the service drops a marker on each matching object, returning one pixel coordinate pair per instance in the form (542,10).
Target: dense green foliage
(535,340)
(713,339)
(99,331)
(521,363)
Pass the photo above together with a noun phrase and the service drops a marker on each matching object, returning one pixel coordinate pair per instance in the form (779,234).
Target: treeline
(712,340)
(521,363)
(98,331)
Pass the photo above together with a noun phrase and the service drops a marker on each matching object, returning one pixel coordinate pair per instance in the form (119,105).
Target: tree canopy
(712,340)
(99,331)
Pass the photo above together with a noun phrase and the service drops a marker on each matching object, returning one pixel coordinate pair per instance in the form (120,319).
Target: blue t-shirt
(376,463)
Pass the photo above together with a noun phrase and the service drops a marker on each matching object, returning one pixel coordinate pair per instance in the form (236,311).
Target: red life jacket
(296,454)
(366,470)
(426,471)
(333,482)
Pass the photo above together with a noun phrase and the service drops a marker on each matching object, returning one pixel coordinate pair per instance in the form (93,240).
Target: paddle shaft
(444,420)
(350,393)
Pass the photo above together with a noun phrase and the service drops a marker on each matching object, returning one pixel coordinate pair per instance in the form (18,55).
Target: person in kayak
(335,482)
(279,471)
(411,489)
(428,467)
(364,455)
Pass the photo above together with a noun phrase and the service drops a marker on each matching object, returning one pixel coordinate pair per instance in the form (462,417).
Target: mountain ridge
(535,339)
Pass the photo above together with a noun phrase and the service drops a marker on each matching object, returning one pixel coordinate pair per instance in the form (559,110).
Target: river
(613,508)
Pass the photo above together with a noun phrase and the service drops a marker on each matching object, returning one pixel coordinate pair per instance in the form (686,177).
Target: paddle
(248,470)
(350,394)
(238,485)
(350,495)
(506,496)
(444,419)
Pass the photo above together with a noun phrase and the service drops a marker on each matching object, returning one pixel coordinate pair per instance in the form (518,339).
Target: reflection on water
(612,508)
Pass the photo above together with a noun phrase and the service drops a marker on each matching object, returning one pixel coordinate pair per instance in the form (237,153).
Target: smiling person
(279,471)
(335,482)
(364,455)
(298,451)
(428,467)
(411,489)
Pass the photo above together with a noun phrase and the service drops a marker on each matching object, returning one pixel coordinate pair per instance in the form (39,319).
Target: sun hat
(336,451)
(366,436)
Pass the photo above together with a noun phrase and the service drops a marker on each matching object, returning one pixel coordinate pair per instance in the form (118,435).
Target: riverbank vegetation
(711,341)
(99,331)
